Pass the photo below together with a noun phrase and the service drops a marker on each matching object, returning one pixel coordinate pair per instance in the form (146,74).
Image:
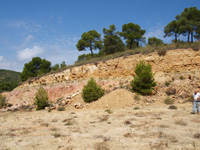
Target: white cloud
(1,58)
(28,53)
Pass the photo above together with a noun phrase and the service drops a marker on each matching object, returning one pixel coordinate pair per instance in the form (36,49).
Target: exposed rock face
(109,74)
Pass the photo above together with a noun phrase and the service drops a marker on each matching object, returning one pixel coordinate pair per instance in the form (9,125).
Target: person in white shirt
(196,100)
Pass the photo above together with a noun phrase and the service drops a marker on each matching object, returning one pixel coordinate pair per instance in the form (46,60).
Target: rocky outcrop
(109,74)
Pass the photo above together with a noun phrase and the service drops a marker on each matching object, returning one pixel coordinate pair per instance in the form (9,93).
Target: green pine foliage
(41,99)
(143,81)
(92,91)
(112,42)
(35,68)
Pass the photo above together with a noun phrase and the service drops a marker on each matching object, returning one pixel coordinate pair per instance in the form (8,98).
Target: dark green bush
(167,83)
(92,91)
(2,101)
(41,99)
(143,81)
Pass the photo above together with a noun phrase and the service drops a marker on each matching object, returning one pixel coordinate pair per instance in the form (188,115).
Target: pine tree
(143,81)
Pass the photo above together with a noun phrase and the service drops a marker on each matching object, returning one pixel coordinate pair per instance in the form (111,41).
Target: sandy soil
(152,127)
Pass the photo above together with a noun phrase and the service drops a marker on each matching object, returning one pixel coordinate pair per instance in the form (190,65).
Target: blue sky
(50,29)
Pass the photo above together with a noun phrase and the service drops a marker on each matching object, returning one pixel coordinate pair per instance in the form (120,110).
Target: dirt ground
(130,128)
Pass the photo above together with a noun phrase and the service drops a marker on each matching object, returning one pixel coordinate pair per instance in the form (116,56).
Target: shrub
(136,108)
(171,91)
(190,99)
(167,83)
(162,52)
(41,99)
(168,101)
(92,91)
(137,97)
(61,108)
(181,77)
(143,81)
(172,107)
(2,101)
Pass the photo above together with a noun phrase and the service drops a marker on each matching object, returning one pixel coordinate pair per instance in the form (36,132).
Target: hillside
(8,80)
(179,67)
(8,75)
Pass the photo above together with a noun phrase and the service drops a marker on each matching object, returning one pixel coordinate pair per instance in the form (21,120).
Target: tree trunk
(192,37)
(131,44)
(188,37)
(137,44)
(91,52)
(175,37)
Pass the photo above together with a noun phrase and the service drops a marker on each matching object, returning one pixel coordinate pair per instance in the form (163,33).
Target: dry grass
(181,122)
(101,146)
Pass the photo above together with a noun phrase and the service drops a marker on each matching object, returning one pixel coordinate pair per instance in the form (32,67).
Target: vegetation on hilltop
(8,80)
(112,46)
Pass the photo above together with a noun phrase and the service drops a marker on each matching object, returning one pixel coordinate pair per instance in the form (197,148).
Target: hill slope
(8,80)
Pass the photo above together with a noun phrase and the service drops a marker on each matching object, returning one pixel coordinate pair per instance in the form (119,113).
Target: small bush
(190,99)
(162,52)
(167,83)
(61,108)
(92,91)
(143,81)
(137,97)
(2,101)
(136,108)
(172,107)
(41,99)
(108,111)
(171,91)
(168,101)
(181,78)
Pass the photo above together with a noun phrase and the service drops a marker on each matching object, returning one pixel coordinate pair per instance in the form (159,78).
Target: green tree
(112,42)
(189,22)
(55,67)
(153,41)
(143,81)
(63,65)
(35,68)
(41,99)
(91,40)
(92,91)
(133,34)
(172,29)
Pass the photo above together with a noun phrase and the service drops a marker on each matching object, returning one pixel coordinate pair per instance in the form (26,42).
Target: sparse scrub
(2,101)
(197,136)
(108,111)
(190,99)
(167,83)
(56,135)
(181,77)
(162,52)
(172,107)
(168,101)
(92,91)
(41,99)
(181,122)
(136,108)
(137,97)
(61,108)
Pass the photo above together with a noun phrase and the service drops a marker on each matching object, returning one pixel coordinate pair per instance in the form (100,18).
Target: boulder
(170,91)
(78,105)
